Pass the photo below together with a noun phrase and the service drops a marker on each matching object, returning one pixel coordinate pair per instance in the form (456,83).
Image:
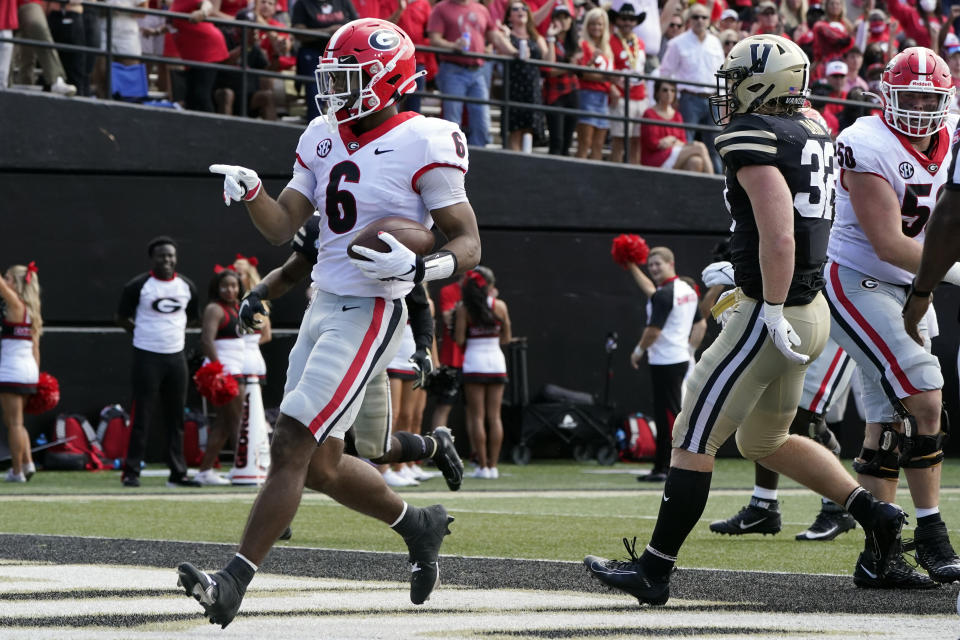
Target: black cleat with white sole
(759,516)
(898,574)
(219,594)
(424,548)
(935,553)
(447,459)
(630,576)
(829,523)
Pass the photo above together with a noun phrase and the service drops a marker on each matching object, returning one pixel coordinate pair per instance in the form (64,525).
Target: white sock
(923,513)
(764,494)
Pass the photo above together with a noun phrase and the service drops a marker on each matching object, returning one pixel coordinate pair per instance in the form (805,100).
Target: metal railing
(245,27)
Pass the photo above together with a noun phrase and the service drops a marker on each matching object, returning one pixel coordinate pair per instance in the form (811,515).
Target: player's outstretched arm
(278,220)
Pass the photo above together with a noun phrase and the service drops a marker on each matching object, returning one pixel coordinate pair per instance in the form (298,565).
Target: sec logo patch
(906,170)
(323,147)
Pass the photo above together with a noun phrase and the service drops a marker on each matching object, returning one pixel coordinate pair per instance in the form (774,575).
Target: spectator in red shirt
(560,87)
(830,41)
(628,55)
(922,22)
(199,41)
(412,16)
(836,77)
(836,11)
(875,29)
(663,145)
(276,46)
(595,88)
(445,384)
(768,20)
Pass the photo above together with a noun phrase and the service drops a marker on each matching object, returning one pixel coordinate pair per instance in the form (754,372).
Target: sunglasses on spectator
(518,7)
(699,17)
(675,25)
(729,43)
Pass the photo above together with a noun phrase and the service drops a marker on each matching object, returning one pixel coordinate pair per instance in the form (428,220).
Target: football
(409,233)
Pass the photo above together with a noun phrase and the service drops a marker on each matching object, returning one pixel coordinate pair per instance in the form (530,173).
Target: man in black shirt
(324,17)
(749,382)
(155,307)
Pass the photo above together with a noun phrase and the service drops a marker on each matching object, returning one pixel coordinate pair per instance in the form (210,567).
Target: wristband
(915,293)
(436,266)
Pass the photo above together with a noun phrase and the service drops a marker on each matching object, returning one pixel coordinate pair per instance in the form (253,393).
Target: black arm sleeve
(305,242)
(661,303)
(193,311)
(421,322)
(130,297)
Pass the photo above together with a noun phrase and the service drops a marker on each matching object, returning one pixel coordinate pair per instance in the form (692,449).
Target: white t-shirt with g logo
(160,309)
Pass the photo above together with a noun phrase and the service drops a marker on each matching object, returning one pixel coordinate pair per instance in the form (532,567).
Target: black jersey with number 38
(803,152)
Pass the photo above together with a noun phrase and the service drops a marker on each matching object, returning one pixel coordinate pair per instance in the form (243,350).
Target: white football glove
(782,334)
(239,183)
(397,264)
(718,273)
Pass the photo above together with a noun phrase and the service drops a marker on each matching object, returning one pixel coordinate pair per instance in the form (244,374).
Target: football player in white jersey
(360,162)
(893,167)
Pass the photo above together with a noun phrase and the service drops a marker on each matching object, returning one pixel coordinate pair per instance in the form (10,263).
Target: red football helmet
(916,70)
(367,66)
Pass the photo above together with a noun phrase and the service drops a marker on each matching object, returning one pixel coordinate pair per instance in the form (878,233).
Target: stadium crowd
(848,43)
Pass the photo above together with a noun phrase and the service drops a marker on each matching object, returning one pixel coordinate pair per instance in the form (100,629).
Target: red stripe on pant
(870,331)
(355,368)
(825,384)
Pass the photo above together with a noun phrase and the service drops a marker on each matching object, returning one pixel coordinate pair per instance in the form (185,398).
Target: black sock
(410,522)
(931,519)
(241,571)
(684,498)
(414,447)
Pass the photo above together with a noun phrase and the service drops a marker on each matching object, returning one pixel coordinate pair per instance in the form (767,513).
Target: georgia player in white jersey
(362,161)
(893,167)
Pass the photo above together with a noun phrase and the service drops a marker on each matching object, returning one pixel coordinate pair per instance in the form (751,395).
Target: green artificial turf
(549,509)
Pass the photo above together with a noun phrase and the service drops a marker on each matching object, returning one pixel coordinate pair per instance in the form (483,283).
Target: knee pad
(883,462)
(814,426)
(927,451)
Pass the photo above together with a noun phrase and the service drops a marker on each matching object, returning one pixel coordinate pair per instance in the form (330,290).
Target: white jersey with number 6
(870,146)
(353,181)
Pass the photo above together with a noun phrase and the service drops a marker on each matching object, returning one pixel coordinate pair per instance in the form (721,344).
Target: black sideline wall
(87,184)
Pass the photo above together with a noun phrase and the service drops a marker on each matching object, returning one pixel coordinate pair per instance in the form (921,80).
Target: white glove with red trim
(239,183)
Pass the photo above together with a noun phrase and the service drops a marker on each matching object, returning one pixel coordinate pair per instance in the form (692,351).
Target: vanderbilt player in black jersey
(779,185)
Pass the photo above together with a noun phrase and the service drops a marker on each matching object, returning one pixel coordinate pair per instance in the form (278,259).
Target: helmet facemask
(347,86)
(913,122)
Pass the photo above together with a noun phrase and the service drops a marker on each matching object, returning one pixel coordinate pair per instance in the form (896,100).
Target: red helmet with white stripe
(913,71)
(367,66)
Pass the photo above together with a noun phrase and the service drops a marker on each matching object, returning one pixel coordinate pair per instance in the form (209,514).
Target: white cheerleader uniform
(19,372)
(253,362)
(483,359)
(400,366)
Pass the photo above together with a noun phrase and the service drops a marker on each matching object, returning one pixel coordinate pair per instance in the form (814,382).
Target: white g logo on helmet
(384,40)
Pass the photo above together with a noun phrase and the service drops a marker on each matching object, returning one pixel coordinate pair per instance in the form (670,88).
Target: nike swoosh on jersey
(346,308)
(378,151)
(867,571)
(748,525)
(813,536)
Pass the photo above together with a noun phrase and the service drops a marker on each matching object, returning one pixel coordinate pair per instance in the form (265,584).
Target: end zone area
(84,587)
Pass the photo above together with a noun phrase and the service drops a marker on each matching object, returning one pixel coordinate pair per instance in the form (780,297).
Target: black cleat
(446,458)
(898,574)
(653,476)
(131,480)
(424,548)
(630,576)
(759,516)
(830,522)
(181,481)
(219,594)
(934,552)
(883,536)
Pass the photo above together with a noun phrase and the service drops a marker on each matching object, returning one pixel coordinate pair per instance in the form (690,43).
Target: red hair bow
(218,268)
(31,269)
(477,278)
(252,259)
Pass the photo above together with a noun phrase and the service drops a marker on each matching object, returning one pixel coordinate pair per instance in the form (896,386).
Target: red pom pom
(629,248)
(46,397)
(215,384)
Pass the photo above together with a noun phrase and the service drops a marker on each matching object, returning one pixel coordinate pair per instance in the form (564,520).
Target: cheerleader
(19,361)
(254,364)
(482,326)
(220,339)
